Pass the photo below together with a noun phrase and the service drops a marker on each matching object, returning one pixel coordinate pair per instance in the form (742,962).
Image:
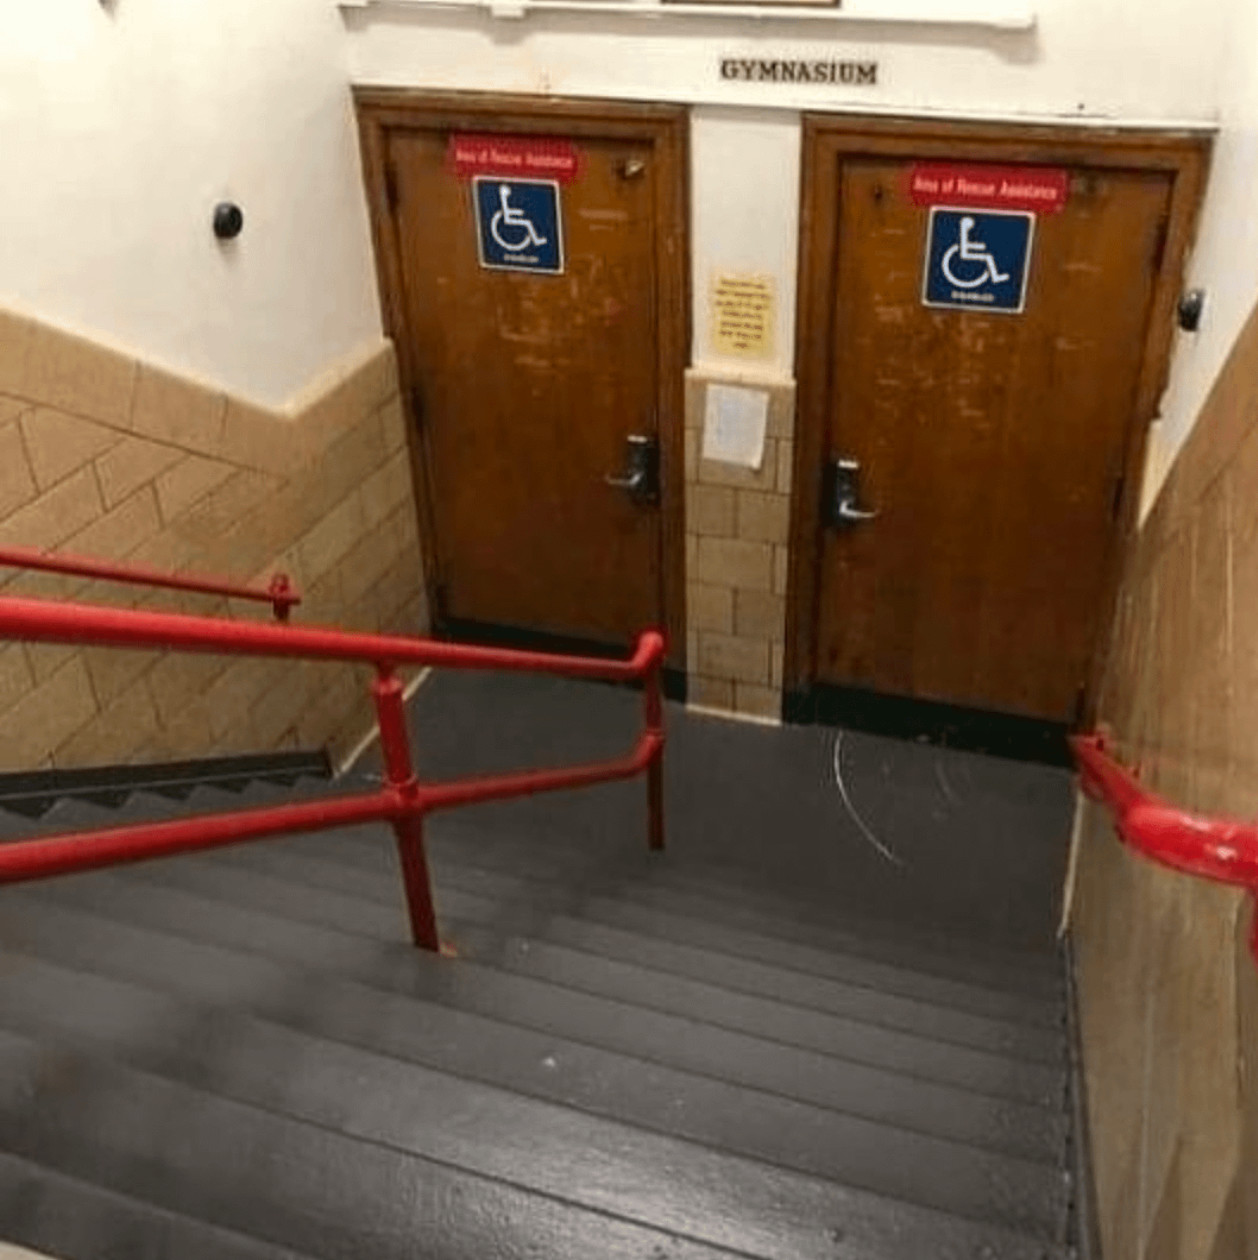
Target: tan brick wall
(107,456)
(737,522)
(1168,990)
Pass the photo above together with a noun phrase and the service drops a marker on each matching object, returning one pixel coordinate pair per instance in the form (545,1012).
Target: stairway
(238,1055)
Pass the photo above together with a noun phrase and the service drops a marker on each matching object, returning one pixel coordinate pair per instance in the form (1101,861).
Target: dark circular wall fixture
(228,220)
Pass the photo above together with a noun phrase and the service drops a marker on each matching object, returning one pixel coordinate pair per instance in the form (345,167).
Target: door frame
(827,138)
(666,128)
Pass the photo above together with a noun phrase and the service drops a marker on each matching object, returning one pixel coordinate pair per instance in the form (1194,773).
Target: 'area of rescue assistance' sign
(977,259)
(519,224)
(984,186)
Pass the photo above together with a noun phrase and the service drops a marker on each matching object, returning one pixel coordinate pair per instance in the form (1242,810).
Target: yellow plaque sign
(742,315)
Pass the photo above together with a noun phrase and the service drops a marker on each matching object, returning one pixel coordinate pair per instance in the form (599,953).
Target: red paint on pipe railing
(402,802)
(1221,849)
(279,592)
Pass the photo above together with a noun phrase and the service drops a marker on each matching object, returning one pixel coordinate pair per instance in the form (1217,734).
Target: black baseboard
(32,792)
(949,725)
(491,635)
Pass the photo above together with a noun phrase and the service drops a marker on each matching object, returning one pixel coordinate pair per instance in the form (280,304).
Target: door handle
(841,495)
(641,478)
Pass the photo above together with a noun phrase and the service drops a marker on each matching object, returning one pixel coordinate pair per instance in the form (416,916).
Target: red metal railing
(402,801)
(279,592)
(1216,848)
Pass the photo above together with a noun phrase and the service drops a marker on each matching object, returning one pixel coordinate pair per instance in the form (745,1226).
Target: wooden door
(527,387)
(997,448)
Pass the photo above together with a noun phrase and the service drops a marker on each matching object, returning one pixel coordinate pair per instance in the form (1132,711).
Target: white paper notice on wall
(734,424)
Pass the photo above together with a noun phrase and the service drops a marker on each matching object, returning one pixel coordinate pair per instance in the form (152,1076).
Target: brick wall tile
(175,409)
(120,531)
(175,680)
(114,670)
(776,652)
(733,562)
(68,507)
(57,443)
(393,422)
(763,517)
(45,659)
(128,465)
(259,438)
(74,374)
(46,717)
(114,734)
(759,615)
(274,717)
(709,693)
(17,485)
(781,569)
(387,489)
(713,473)
(757,701)
(16,678)
(211,517)
(786,463)
(189,481)
(709,607)
(711,510)
(16,334)
(729,656)
(332,537)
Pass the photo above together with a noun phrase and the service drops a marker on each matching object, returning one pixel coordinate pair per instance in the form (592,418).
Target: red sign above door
(1042,189)
(525,157)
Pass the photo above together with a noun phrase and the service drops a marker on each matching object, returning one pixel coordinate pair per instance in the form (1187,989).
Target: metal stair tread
(253,1059)
(754,1055)
(873,1005)
(987,964)
(64,1216)
(635,877)
(321,1192)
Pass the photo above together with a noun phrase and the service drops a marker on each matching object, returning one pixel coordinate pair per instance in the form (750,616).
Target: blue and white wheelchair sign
(518,224)
(977,259)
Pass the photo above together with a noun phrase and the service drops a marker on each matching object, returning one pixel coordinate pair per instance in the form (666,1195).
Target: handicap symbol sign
(518,225)
(977,259)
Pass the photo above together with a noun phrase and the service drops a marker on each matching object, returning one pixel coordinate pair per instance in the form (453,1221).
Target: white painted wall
(744,192)
(124,124)
(1132,60)
(1225,260)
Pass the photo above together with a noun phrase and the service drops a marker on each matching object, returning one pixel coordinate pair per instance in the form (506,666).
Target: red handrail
(1221,849)
(279,592)
(402,801)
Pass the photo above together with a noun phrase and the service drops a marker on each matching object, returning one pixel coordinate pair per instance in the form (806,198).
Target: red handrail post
(283,597)
(408,825)
(653,704)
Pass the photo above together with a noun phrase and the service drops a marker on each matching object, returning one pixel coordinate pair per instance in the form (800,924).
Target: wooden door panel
(991,444)
(530,385)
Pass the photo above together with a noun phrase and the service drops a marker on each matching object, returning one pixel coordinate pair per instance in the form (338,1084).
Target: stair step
(987,965)
(62,1216)
(310,1187)
(938,1021)
(192,1043)
(712,1107)
(985,1071)
(840,950)
(874,1089)
(1030,993)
